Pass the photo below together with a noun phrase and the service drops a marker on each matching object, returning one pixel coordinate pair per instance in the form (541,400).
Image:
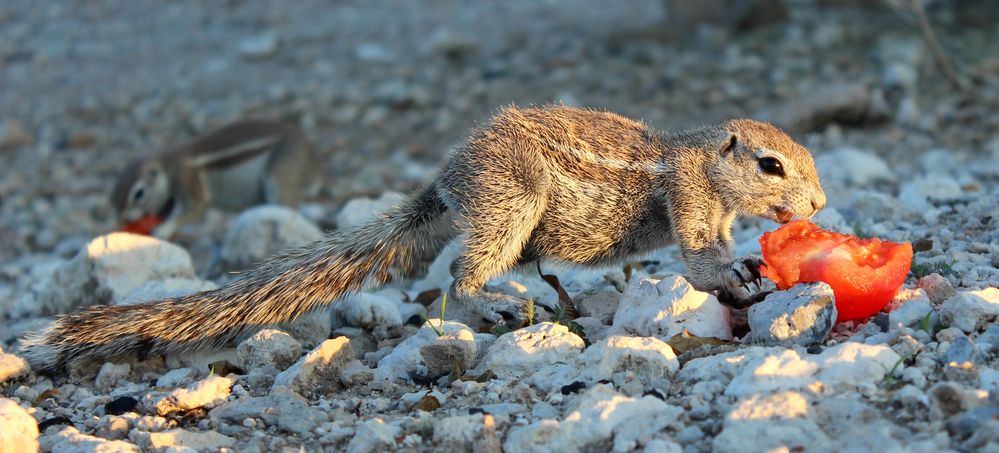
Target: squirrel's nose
(818,203)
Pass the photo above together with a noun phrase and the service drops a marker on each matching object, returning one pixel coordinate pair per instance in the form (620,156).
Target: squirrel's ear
(729,145)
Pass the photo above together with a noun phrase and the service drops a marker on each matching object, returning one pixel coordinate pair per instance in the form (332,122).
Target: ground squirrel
(246,163)
(558,183)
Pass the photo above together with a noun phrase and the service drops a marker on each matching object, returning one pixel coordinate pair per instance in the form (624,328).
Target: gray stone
(110,374)
(174,378)
(937,288)
(601,305)
(855,167)
(374,435)
(178,437)
(599,415)
(771,422)
(960,353)
(268,347)
(802,315)
(357,211)
(450,352)
(318,371)
(990,336)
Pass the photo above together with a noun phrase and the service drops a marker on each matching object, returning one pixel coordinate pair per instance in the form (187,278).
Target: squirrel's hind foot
(499,309)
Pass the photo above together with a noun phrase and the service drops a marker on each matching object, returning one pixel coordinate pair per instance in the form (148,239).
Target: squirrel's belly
(238,186)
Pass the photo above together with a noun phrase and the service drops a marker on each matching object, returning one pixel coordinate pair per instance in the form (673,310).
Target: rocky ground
(387,89)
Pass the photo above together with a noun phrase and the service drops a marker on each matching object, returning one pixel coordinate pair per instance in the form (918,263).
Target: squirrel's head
(142,189)
(765,173)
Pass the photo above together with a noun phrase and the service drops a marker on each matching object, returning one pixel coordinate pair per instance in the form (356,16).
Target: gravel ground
(387,89)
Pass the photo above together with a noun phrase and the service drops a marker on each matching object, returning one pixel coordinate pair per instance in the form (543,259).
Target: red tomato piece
(144,225)
(864,274)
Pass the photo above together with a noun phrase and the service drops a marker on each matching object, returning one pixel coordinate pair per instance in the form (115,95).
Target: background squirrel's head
(766,173)
(142,189)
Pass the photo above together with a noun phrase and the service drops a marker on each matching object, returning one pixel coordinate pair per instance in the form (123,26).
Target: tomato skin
(864,274)
(144,225)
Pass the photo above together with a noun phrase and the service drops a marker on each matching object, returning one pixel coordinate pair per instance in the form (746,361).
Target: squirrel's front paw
(736,278)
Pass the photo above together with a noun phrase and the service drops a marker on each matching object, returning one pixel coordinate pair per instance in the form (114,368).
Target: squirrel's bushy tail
(281,289)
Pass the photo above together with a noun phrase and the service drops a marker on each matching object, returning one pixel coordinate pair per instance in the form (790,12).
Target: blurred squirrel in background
(240,165)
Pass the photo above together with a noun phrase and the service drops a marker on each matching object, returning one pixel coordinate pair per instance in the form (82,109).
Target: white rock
(663,308)
(358,211)
(109,268)
(368,311)
(967,308)
(268,347)
(263,231)
(722,368)
(201,359)
(165,289)
(71,440)
(207,393)
(874,205)
(260,46)
(373,435)
(12,367)
(174,378)
(844,366)
(646,359)
(319,371)
(18,429)
(110,373)
(803,315)
(459,431)
(769,423)
(405,358)
(521,352)
(855,167)
(178,437)
(913,310)
(931,187)
(596,416)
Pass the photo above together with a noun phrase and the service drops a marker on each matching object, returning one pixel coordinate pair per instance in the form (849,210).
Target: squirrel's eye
(772,166)
(139,194)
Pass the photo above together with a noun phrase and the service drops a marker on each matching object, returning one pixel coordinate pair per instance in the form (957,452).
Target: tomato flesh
(864,274)
(144,225)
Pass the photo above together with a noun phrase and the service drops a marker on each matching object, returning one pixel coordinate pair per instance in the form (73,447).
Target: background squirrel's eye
(138,194)
(772,166)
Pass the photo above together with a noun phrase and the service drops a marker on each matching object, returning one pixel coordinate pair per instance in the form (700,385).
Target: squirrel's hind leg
(496,226)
